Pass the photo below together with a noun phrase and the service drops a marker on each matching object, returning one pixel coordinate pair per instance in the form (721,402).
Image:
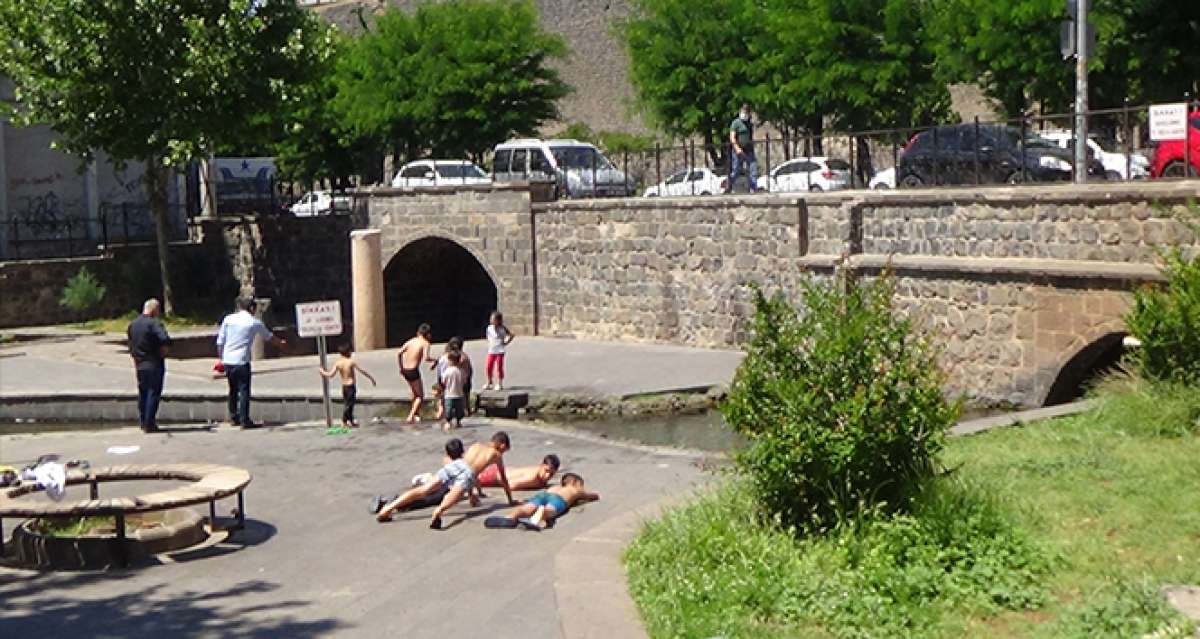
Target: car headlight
(1050,162)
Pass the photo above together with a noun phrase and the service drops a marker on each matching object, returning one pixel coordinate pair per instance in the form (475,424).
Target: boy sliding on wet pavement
(459,475)
(544,507)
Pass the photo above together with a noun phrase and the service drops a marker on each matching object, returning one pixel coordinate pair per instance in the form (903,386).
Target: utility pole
(1081,90)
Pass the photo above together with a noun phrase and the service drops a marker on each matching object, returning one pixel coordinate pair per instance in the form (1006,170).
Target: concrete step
(501,403)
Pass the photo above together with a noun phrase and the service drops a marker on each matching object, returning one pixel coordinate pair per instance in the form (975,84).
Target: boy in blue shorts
(543,508)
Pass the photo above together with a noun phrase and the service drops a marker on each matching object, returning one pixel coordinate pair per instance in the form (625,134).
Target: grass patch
(1065,528)
(72,526)
(121,323)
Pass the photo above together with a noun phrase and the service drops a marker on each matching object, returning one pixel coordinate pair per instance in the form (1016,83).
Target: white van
(578,168)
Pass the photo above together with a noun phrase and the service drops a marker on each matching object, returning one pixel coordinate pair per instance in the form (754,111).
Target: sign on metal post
(1168,121)
(319,320)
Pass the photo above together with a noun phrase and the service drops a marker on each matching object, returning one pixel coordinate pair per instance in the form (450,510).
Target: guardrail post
(975,149)
(766,167)
(850,139)
(657,163)
(1128,142)
(1021,150)
(936,155)
(625,173)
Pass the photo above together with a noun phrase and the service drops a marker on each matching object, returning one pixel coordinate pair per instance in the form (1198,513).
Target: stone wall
(1018,286)
(491,226)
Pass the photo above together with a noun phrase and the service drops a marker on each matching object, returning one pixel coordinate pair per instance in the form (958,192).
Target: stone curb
(590,586)
(1021,417)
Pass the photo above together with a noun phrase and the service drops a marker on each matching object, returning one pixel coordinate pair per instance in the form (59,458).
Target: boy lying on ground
(543,508)
(459,475)
(523,478)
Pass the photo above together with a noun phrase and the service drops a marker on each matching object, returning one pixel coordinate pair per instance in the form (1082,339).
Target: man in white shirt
(234,342)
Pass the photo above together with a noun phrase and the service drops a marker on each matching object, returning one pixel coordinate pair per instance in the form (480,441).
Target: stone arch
(436,279)
(1080,370)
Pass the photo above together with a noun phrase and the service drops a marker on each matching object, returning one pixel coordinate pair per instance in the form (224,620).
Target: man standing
(741,138)
(148,342)
(234,341)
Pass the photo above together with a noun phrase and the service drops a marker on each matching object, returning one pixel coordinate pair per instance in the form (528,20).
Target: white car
(885,179)
(439,173)
(1114,163)
(693,181)
(807,174)
(578,168)
(316,203)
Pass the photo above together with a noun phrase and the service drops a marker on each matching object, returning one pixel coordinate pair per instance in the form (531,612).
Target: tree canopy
(161,81)
(451,79)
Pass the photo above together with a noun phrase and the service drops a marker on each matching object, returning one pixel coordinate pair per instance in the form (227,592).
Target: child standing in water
(498,337)
(347,367)
(452,379)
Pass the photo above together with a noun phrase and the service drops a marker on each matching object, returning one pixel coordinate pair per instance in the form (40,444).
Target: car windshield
(455,171)
(838,165)
(578,157)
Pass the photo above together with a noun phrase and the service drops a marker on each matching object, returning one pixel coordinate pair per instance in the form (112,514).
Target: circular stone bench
(209,483)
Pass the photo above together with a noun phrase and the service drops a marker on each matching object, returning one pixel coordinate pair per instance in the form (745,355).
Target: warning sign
(1168,121)
(319,318)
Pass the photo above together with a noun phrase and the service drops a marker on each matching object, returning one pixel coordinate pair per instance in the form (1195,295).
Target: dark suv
(954,155)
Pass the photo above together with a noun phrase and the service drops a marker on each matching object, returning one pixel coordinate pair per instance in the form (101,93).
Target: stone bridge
(1024,289)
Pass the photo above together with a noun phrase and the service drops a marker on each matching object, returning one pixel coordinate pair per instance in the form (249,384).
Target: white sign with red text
(315,319)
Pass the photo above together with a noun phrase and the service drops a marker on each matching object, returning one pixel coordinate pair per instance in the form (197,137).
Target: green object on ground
(338,430)
(1064,528)
(72,526)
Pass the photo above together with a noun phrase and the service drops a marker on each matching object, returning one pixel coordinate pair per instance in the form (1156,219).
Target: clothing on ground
(147,337)
(236,336)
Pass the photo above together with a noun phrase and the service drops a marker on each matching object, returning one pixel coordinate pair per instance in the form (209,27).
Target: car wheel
(1175,170)
(882,187)
(1014,178)
(912,181)
(814,188)
(705,193)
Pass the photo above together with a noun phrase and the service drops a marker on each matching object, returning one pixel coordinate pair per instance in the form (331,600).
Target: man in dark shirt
(741,142)
(148,342)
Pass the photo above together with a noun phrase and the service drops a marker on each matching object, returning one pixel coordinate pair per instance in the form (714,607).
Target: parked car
(578,169)
(1169,156)
(439,173)
(316,203)
(1114,163)
(693,181)
(807,174)
(948,155)
(885,179)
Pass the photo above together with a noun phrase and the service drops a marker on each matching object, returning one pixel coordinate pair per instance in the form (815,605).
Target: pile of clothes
(47,473)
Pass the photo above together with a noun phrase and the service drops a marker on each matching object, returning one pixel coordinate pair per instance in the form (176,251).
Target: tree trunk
(156,193)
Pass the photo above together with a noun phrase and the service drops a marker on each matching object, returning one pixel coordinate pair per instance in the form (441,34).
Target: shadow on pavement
(45,608)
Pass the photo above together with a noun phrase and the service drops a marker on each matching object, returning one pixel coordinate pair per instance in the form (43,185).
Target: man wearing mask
(741,138)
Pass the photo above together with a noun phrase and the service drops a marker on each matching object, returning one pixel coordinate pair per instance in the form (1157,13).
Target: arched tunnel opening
(1086,368)
(436,281)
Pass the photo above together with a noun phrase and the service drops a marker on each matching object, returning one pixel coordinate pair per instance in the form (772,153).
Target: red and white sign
(319,318)
(1168,121)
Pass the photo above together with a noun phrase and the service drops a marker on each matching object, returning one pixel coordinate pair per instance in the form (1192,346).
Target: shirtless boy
(544,507)
(347,367)
(415,352)
(459,475)
(523,478)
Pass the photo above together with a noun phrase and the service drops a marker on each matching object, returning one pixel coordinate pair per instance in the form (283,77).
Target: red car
(1169,157)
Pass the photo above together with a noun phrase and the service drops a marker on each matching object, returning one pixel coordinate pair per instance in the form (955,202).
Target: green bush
(1167,321)
(83,292)
(842,404)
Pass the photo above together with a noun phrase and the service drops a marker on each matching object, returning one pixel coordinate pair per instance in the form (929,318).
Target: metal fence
(1033,149)
(80,235)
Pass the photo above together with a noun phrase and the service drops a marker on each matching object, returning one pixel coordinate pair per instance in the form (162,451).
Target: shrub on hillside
(1167,321)
(83,292)
(842,404)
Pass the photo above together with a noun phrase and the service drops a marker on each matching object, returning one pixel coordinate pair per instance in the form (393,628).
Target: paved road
(313,561)
(540,364)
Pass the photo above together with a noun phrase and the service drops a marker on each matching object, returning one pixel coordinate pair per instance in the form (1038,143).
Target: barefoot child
(543,508)
(452,382)
(347,367)
(498,337)
(523,478)
(414,352)
(453,344)
(459,475)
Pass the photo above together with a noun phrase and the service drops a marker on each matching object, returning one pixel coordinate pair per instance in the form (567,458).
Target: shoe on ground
(377,504)
(499,387)
(151,428)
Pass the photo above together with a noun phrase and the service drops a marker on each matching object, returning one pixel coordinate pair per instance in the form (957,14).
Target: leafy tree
(865,63)
(157,81)
(691,67)
(1012,50)
(452,79)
